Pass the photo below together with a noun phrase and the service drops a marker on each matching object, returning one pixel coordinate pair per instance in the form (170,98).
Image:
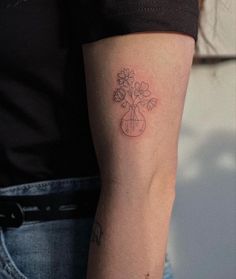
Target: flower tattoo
(119,95)
(125,78)
(141,89)
(133,95)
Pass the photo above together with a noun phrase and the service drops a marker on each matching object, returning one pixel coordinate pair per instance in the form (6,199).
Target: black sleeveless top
(44,128)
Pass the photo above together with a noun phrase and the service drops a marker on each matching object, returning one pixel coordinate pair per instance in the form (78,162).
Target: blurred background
(202,241)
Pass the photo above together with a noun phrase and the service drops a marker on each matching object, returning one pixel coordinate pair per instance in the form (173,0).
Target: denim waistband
(53,186)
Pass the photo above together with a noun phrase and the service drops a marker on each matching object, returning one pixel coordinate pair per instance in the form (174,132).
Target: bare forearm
(130,235)
(135,126)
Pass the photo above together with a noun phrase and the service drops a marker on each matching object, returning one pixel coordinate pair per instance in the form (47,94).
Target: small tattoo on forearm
(96,233)
(133,95)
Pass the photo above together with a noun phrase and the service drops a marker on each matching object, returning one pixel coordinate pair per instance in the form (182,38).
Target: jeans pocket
(8,268)
(55,249)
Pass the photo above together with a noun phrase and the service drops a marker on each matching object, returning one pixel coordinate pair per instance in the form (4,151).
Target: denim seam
(7,263)
(50,183)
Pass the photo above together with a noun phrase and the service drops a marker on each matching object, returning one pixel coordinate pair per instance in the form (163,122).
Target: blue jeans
(55,249)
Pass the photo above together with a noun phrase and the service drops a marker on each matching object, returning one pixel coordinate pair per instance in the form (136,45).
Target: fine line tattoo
(133,95)
(96,233)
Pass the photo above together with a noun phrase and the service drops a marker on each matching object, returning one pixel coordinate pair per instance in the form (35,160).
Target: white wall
(202,243)
(218,22)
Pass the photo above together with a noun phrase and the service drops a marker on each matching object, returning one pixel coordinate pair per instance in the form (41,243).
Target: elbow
(163,183)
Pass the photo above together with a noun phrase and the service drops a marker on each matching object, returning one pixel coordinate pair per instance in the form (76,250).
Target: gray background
(202,241)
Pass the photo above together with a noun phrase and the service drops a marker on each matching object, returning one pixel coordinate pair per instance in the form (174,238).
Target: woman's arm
(136,86)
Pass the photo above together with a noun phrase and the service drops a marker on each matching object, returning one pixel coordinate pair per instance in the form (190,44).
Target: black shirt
(44,128)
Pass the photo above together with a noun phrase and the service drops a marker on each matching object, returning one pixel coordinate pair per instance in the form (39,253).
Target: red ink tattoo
(132,95)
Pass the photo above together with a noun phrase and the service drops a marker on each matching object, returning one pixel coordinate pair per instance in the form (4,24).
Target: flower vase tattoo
(133,95)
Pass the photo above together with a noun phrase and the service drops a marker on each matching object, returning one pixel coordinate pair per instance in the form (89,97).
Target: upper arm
(135,123)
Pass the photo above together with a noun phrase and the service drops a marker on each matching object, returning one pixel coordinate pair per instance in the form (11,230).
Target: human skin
(137,153)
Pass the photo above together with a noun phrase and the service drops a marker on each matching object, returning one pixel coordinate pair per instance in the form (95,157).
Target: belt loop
(11,214)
